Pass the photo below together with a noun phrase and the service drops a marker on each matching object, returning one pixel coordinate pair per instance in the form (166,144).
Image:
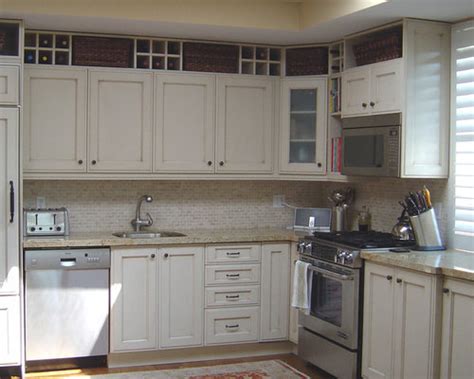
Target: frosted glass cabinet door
(303,126)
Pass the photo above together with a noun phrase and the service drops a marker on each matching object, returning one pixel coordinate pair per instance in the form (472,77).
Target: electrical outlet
(278,201)
(40,202)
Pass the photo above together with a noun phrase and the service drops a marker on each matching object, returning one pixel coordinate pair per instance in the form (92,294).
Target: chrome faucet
(137,222)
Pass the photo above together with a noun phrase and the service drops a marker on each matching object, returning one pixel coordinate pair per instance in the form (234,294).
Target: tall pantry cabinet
(10,73)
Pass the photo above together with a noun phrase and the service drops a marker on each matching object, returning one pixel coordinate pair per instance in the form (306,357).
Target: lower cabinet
(457,347)
(293,322)
(9,330)
(401,317)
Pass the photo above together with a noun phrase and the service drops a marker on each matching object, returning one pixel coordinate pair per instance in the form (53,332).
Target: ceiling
(282,22)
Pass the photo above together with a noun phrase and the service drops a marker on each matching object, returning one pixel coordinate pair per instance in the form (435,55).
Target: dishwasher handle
(68,262)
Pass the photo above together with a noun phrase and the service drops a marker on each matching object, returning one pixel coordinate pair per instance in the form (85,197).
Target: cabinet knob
(221,163)
(445,290)
(166,255)
(153,256)
(319,164)
(372,104)
(94,162)
(399,280)
(364,105)
(389,277)
(209,163)
(80,161)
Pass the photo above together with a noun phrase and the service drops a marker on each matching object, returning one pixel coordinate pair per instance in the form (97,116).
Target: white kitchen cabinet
(232,296)
(457,342)
(9,85)
(10,330)
(120,121)
(234,325)
(55,120)
(181,305)
(303,126)
(233,274)
(245,116)
(134,293)
(401,318)
(275,299)
(234,253)
(372,89)
(9,202)
(184,123)
(293,322)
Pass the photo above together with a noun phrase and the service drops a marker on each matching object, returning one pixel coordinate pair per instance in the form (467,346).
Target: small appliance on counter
(312,219)
(45,222)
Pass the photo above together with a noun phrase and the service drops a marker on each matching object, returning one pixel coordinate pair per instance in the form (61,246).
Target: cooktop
(364,240)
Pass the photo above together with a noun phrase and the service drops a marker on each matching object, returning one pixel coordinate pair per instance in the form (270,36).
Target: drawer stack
(232,294)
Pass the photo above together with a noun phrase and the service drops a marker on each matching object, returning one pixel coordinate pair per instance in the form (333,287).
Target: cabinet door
(293,328)
(120,130)
(184,123)
(55,120)
(244,124)
(181,305)
(9,212)
(275,299)
(386,87)
(457,341)
(355,92)
(9,84)
(303,126)
(378,322)
(133,316)
(9,330)
(415,325)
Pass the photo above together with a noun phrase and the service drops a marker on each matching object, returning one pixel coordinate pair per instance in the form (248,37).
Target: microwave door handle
(331,274)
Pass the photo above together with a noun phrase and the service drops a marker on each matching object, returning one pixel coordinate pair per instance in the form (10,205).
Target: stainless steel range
(330,335)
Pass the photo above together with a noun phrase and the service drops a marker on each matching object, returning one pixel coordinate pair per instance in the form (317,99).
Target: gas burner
(364,240)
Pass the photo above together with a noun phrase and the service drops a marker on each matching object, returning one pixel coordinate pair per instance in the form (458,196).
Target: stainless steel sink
(148,234)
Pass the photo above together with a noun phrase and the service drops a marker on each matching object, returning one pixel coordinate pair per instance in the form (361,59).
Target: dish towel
(301,292)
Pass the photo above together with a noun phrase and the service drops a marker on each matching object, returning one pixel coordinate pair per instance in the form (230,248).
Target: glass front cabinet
(303,126)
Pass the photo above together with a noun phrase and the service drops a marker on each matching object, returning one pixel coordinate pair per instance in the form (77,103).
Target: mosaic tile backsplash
(110,205)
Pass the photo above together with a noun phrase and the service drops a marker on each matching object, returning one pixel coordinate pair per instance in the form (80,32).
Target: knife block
(425,228)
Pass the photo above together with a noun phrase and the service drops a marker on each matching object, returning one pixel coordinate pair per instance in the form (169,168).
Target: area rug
(252,370)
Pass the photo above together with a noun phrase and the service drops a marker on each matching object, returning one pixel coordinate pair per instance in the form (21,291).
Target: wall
(110,205)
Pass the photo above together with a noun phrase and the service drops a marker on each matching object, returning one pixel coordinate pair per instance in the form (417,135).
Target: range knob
(341,256)
(301,245)
(308,247)
(349,258)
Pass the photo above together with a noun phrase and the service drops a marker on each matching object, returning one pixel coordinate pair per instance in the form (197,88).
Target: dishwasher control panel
(67,259)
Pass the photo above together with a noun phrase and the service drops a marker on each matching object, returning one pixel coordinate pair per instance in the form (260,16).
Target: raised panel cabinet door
(9,202)
(427,48)
(416,315)
(355,90)
(120,126)
(9,85)
(133,297)
(181,305)
(10,330)
(386,87)
(457,341)
(184,123)
(303,126)
(377,341)
(275,298)
(244,125)
(293,328)
(55,120)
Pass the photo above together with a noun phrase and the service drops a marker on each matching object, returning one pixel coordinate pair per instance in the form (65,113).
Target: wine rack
(260,60)
(157,54)
(47,48)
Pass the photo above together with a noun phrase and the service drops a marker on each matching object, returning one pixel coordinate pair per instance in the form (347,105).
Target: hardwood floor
(291,359)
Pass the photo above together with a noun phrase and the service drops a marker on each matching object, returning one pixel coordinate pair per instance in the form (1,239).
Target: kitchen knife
(427,195)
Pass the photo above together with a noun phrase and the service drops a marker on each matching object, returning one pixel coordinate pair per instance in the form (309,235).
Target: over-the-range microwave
(371,145)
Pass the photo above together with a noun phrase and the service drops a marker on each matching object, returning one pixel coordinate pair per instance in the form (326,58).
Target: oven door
(334,305)
(371,151)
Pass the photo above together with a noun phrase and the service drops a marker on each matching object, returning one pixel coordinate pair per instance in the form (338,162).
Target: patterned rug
(253,370)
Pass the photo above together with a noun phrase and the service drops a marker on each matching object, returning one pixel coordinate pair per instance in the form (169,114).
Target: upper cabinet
(184,123)
(303,126)
(120,125)
(9,85)
(245,116)
(55,120)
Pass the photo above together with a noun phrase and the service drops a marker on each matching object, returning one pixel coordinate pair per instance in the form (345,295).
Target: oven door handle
(330,274)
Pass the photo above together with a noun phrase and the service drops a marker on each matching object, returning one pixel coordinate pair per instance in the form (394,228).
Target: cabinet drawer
(9,83)
(231,325)
(233,274)
(232,296)
(233,253)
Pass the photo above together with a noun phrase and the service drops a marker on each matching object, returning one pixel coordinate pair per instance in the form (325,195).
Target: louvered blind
(463,144)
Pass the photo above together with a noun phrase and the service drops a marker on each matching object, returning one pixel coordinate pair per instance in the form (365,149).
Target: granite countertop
(194,236)
(451,263)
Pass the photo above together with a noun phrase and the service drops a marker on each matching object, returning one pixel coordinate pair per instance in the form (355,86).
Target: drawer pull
(232,297)
(233,276)
(232,327)
(233,254)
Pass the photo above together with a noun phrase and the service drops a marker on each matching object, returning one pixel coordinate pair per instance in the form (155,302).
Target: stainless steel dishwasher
(67,303)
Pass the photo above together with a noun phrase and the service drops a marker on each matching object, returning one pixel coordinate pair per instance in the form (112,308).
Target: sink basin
(148,234)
